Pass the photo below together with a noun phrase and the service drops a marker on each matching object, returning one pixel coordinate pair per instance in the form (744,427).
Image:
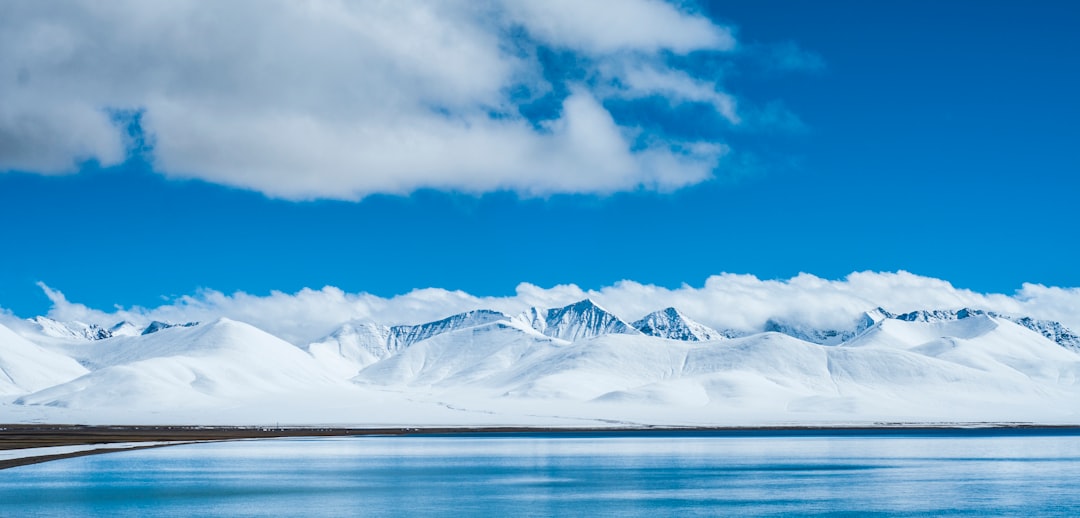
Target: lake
(1035,473)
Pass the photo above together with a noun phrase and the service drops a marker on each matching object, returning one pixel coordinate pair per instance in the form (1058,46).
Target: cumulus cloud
(725,301)
(339,99)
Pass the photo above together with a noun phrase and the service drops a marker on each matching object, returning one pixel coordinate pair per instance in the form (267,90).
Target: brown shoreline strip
(38,436)
(20,436)
(26,461)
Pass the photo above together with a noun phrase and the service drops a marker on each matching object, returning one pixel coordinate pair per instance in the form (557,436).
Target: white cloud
(337,99)
(640,80)
(606,26)
(69,132)
(729,301)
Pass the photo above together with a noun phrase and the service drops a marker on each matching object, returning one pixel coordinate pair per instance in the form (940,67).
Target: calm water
(523,475)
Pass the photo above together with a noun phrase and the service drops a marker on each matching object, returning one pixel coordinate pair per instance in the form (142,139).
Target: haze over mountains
(574,364)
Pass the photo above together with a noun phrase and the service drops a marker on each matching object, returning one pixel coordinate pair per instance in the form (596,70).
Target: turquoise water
(669,474)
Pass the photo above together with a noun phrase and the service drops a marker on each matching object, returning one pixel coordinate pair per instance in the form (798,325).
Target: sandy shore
(110,438)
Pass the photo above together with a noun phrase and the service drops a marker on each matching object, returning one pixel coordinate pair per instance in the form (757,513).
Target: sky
(170,154)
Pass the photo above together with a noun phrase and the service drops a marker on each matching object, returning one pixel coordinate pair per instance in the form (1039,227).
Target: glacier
(576,365)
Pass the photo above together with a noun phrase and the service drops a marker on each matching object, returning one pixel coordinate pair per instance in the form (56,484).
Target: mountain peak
(124,328)
(672,324)
(877,315)
(585,304)
(70,330)
(158,325)
(671,312)
(582,319)
(405,335)
(939,315)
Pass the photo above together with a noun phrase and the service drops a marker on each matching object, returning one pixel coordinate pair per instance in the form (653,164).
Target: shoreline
(32,436)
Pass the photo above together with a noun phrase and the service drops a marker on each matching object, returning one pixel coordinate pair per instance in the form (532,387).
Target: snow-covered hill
(218,363)
(982,342)
(463,357)
(577,363)
(1053,331)
(26,367)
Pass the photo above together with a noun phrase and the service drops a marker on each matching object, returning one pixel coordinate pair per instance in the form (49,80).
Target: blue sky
(938,138)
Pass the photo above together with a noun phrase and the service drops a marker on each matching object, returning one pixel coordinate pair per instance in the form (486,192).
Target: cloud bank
(339,99)
(725,301)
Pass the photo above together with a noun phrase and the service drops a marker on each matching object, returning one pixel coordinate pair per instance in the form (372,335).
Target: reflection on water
(521,475)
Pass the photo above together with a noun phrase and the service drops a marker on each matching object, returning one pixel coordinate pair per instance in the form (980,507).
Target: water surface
(1033,474)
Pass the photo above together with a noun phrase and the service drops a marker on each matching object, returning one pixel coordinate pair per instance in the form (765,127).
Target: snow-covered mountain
(578,362)
(352,347)
(356,345)
(670,323)
(577,321)
(73,329)
(938,315)
(828,336)
(1054,331)
(463,356)
(810,333)
(404,336)
(27,367)
(157,325)
(898,369)
(980,341)
(84,331)
(184,366)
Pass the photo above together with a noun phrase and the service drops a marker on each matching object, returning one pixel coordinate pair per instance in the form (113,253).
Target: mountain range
(576,362)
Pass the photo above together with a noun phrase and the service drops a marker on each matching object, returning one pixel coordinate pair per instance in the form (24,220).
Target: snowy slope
(352,347)
(222,362)
(770,372)
(1054,331)
(775,371)
(461,357)
(1049,329)
(670,323)
(764,369)
(26,367)
(982,342)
